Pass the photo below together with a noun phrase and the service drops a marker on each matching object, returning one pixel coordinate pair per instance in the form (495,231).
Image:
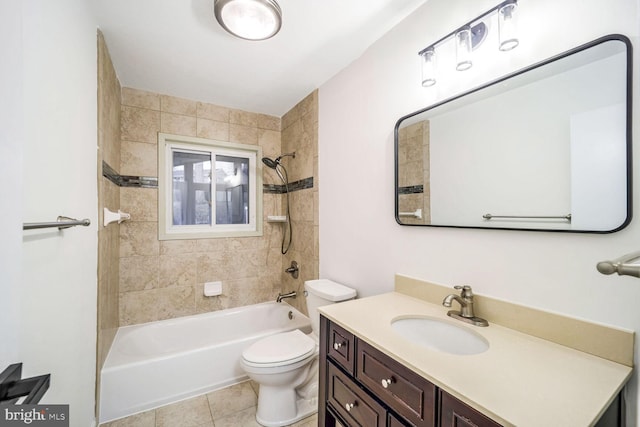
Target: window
(208,188)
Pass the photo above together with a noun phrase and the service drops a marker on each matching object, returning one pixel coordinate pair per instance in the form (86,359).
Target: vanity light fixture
(249,19)
(469,36)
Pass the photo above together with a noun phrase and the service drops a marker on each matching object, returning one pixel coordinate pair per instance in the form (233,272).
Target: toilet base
(304,409)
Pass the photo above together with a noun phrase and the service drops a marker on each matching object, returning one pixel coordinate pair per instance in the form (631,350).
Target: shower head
(273,163)
(270,162)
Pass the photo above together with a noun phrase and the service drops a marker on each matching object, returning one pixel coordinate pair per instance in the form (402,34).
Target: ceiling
(176,47)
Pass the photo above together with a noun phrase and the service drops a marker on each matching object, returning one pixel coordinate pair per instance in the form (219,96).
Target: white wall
(11,167)
(53,329)
(361,244)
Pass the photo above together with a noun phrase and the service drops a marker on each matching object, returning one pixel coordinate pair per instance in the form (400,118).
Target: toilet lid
(278,348)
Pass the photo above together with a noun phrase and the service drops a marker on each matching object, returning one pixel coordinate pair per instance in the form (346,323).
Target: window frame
(166,230)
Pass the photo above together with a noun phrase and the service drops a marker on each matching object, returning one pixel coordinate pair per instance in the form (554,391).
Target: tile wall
(165,279)
(108,196)
(414,172)
(300,134)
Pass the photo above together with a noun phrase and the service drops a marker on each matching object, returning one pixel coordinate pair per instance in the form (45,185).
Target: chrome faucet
(465,299)
(291,294)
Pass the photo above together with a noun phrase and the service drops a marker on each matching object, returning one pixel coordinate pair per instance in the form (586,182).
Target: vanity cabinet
(361,386)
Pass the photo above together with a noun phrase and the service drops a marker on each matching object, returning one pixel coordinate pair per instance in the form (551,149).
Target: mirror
(545,148)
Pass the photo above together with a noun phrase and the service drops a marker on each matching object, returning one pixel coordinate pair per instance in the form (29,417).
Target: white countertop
(520,380)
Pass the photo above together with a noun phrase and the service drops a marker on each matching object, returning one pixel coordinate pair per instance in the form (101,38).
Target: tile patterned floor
(233,406)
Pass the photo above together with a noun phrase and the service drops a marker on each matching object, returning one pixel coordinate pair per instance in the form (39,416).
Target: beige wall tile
(290,117)
(139,159)
(213,267)
(213,112)
(175,302)
(302,166)
(206,304)
(270,142)
(178,270)
(243,134)
(216,246)
(139,273)
(141,203)
(268,122)
(138,307)
(302,205)
(244,118)
(140,125)
(139,238)
(178,124)
(251,269)
(140,98)
(177,247)
(212,129)
(171,104)
(109,119)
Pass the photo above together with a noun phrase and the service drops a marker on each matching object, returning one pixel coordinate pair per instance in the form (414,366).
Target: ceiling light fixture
(469,36)
(249,19)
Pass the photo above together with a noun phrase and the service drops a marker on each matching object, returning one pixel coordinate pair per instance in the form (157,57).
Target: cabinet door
(407,393)
(393,421)
(341,347)
(353,404)
(454,413)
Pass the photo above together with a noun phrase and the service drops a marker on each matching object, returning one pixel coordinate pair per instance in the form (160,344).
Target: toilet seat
(280,349)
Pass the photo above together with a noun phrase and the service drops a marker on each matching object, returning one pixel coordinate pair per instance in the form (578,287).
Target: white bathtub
(157,363)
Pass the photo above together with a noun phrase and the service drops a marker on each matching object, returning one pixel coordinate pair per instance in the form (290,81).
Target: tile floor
(233,406)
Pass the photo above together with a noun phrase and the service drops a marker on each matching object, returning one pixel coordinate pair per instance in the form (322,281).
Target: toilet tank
(324,292)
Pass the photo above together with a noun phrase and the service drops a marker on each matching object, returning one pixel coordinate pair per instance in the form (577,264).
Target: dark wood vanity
(361,386)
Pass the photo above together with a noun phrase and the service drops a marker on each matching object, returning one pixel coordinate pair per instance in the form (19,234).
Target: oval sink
(440,335)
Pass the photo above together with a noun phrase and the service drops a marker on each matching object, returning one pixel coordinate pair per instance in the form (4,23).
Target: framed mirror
(545,148)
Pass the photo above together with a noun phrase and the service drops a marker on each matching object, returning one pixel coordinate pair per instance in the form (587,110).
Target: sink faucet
(291,294)
(465,299)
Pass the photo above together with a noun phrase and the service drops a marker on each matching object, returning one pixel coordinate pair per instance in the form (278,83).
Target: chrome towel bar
(491,216)
(416,214)
(621,265)
(61,223)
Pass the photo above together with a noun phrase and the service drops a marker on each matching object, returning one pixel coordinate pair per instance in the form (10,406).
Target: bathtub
(156,363)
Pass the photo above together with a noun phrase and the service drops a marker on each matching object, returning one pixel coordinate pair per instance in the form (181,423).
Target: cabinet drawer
(352,403)
(406,392)
(454,413)
(341,347)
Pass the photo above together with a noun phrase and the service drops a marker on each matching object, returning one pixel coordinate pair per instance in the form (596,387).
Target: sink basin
(440,335)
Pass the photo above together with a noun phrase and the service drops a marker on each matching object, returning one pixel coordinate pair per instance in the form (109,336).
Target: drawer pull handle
(349,406)
(387,383)
(337,345)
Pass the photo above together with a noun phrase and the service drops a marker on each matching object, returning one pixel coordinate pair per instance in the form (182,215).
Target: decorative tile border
(152,182)
(302,184)
(411,189)
(128,180)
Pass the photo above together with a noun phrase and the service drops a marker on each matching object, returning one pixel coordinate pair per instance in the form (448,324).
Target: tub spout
(291,294)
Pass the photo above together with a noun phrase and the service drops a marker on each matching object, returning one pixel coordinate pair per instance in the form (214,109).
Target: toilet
(285,365)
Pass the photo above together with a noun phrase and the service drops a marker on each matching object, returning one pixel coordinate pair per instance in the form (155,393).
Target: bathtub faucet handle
(291,294)
(294,270)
